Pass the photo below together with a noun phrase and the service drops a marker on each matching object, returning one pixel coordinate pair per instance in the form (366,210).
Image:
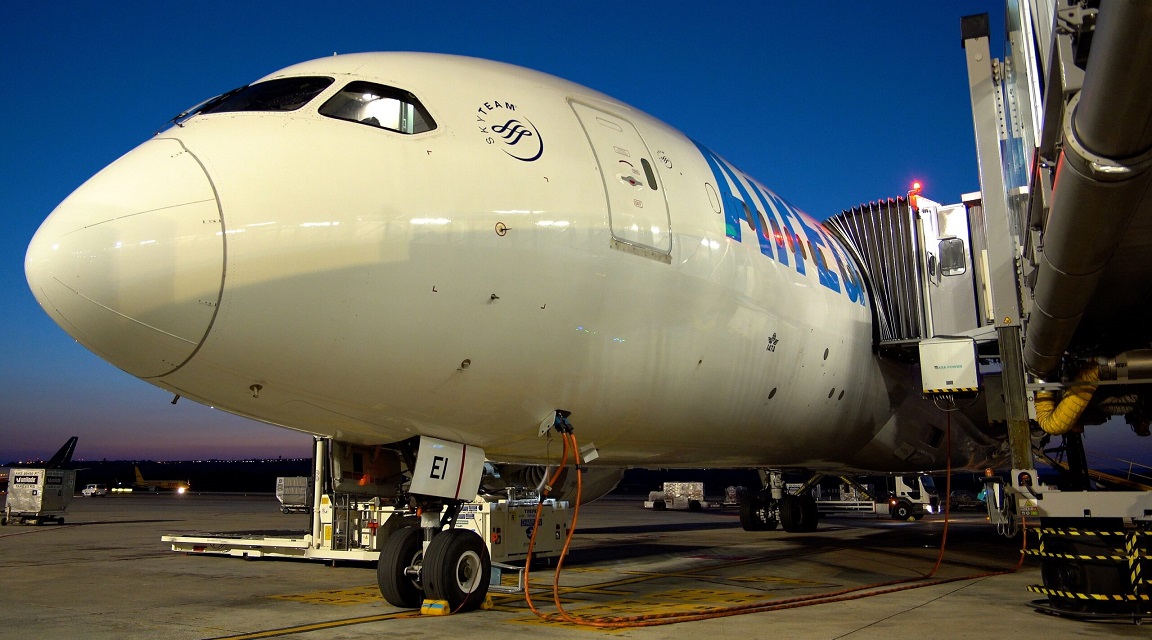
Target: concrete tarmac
(104,573)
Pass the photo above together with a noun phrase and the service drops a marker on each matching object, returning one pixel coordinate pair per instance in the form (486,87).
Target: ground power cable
(545,490)
(647,620)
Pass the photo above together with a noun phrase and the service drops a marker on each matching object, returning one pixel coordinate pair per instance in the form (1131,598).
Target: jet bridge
(1063,128)
(1046,270)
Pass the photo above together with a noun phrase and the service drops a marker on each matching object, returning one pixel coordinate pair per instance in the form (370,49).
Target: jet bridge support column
(1015,397)
(1084,572)
(1001,230)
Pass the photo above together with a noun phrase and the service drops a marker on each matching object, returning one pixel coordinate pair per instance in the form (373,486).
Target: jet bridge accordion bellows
(883,240)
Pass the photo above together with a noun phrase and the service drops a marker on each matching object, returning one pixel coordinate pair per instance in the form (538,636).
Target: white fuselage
(543,247)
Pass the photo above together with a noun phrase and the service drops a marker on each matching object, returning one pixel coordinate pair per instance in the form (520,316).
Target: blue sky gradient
(828,103)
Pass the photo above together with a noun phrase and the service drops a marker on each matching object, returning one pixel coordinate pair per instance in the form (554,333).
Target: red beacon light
(914,194)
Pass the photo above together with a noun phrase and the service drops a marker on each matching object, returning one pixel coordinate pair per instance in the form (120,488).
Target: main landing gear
(771,507)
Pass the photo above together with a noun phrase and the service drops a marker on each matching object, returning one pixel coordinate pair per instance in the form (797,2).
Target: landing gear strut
(758,512)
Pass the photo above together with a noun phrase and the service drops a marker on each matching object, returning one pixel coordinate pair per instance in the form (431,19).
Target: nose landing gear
(454,566)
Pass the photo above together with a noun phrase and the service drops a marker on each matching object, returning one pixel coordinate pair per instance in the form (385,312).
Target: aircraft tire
(756,514)
(811,513)
(457,569)
(402,549)
(798,514)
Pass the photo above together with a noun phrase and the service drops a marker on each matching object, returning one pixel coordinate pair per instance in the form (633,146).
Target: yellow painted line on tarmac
(672,601)
(366,594)
(665,602)
(798,582)
(707,572)
(546,589)
(319,626)
(720,596)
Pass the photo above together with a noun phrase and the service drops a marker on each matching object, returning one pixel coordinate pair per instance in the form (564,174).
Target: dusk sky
(828,103)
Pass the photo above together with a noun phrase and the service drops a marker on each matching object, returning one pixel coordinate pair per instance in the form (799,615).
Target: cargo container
(38,495)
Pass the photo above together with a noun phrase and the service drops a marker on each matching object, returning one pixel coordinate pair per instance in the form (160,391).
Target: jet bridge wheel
(757,513)
(457,569)
(1077,564)
(402,550)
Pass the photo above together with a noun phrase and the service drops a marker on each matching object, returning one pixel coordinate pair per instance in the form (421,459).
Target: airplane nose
(132,263)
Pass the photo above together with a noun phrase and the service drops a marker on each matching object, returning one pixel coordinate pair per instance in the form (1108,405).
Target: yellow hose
(1058,419)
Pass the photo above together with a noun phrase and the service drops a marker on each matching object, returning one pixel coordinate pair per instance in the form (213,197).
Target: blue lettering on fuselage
(775,223)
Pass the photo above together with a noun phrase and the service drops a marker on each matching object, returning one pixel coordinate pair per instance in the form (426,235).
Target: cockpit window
(283,94)
(379,106)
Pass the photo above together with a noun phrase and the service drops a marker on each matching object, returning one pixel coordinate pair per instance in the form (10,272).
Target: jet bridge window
(283,94)
(379,106)
(952,262)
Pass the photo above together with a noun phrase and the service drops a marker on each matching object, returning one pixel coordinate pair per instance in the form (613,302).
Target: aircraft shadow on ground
(95,522)
(671,527)
(614,551)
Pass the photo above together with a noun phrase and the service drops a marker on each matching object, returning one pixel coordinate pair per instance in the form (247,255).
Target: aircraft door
(637,209)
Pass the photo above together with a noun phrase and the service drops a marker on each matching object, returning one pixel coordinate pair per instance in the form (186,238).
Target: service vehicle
(903,497)
(678,495)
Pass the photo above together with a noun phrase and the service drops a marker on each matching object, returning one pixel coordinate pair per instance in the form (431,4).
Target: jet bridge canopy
(918,259)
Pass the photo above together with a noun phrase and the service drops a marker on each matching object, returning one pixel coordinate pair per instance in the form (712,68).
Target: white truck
(904,497)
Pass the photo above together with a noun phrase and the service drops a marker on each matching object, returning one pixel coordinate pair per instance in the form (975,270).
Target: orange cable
(545,490)
(947,491)
(571,530)
(852,593)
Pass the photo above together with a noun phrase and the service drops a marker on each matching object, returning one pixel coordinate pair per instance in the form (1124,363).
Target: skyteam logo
(516,134)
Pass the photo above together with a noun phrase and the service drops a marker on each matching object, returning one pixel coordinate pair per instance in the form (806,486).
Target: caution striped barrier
(1127,560)
(1068,556)
(1135,554)
(1099,597)
(1086,532)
